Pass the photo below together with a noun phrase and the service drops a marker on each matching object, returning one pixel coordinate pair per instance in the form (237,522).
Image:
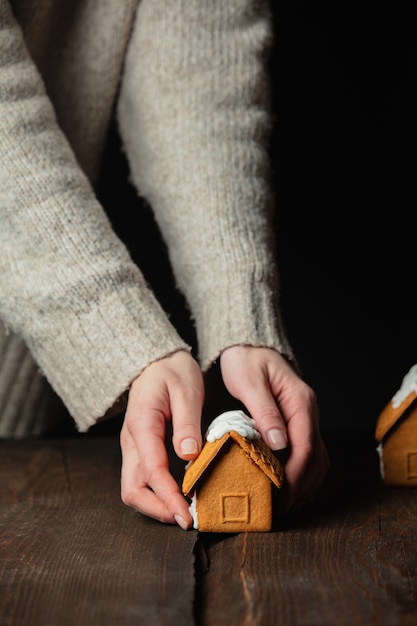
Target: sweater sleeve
(194,117)
(67,283)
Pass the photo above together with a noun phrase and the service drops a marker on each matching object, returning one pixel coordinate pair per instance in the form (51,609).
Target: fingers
(172,387)
(186,406)
(305,481)
(246,377)
(301,455)
(285,411)
(146,482)
(268,419)
(296,431)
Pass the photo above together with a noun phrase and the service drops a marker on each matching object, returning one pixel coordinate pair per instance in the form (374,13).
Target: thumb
(268,419)
(186,423)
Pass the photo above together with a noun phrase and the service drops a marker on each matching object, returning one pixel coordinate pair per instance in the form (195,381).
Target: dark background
(343,154)
(345,97)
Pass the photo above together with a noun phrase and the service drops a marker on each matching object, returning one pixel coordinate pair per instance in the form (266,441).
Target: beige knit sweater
(187,79)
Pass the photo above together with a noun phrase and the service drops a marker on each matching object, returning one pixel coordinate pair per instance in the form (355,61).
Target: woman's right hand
(171,388)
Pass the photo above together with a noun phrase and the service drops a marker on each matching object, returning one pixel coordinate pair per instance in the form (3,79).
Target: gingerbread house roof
(391,414)
(256,450)
(399,404)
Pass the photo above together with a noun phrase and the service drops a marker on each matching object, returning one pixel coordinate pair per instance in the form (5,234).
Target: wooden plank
(397,550)
(72,553)
(348,559)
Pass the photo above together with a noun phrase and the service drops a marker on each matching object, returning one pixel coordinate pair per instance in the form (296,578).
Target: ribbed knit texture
(28,406)
(193,114)
(200,157)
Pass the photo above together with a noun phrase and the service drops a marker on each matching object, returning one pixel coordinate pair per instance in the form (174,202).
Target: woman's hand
(171,388)
(285,411)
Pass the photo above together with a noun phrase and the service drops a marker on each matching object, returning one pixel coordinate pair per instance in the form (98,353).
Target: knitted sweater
(188,81)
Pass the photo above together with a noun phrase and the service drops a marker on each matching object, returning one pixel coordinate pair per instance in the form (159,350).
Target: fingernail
(277,439)
(189,446)
(181,522)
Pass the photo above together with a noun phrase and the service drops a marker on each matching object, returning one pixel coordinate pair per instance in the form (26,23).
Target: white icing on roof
(408,385)
(232,420)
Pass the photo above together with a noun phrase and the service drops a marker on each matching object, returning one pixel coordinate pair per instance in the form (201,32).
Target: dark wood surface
(348,559)
(72,554)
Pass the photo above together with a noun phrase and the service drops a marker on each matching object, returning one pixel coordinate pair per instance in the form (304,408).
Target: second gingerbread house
(396,435)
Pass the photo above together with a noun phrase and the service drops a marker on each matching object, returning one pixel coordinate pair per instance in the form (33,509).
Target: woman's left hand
(285,411)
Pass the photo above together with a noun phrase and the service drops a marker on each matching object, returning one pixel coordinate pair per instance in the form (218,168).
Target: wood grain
(349,559)
(73,553)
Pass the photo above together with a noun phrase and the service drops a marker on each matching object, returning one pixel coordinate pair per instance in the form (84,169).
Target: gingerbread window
(412,465)
(235,507)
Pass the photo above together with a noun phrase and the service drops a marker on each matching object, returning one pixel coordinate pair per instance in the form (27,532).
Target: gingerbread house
(231,482)
(396,435)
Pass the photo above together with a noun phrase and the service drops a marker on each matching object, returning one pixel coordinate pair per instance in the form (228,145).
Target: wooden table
(72,554)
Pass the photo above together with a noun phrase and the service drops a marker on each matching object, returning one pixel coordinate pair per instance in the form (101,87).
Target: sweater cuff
(241,309)
(91,358)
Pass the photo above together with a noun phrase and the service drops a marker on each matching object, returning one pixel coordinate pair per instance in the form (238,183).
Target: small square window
(235,507)
(412,465)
